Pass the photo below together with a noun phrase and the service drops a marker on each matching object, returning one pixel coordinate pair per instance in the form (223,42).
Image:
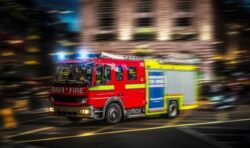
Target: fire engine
(116,87)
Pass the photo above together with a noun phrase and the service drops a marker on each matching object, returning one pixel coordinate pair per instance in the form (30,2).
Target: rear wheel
(172,109)
(113,113)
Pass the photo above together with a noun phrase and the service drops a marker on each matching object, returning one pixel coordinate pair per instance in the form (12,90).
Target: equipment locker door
(156,91)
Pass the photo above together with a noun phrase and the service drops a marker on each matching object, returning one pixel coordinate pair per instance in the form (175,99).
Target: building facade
(159,26)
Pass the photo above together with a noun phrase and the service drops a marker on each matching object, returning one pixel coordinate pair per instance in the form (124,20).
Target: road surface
(194,128)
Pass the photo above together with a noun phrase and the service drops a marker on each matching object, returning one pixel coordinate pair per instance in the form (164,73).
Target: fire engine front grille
(67,99)
(66,113)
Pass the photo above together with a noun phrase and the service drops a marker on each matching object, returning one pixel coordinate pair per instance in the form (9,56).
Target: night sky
(69,11)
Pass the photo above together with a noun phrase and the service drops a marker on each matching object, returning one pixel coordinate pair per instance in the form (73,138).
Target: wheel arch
(176,100)
(113,100)
(179,98)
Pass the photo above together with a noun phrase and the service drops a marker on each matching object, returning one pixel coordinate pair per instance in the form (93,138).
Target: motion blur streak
(132,130)
(36,35)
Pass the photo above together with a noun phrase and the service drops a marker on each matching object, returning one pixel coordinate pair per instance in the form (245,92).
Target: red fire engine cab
(114,87)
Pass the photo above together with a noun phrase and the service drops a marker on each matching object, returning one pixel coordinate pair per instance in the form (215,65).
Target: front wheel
(113,113)
(172,109)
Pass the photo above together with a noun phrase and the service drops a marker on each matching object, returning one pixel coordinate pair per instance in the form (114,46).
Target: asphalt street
(193,128)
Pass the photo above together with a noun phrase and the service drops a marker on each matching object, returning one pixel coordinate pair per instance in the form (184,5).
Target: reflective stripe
(154,64)
(102,87)
(134,86)
(156,77)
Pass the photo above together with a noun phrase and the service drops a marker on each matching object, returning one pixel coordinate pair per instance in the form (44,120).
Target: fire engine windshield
(74,73)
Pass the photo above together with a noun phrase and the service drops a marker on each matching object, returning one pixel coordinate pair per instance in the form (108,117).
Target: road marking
(130,130)
(30,132)
(96,131)
(49,128)
(124,128)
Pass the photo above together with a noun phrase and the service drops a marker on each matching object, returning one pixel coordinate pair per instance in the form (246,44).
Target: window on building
(119,73)
(184,30)
(183,22)
(106,14)
(184,36)
(106,23)
(144,22)
(145,6)
(106,20)
(144,29)
(184,5)
(131,73)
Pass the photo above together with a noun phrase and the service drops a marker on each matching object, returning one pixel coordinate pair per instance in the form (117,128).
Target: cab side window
(103,74)
(132,73)
(106,73)
(99,74)
(119,73)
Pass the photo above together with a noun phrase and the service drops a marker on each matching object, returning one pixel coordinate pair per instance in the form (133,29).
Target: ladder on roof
(172,58)
(117,56)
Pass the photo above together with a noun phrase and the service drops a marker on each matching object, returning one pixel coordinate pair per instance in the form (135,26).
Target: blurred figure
(216,87)
(218,95)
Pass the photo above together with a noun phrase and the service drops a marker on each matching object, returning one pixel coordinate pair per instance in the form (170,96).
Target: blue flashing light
(93,55)
(82,55)
(61,56)
(86,56)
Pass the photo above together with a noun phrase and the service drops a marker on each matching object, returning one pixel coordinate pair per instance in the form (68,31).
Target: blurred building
(159,26)
(27,35)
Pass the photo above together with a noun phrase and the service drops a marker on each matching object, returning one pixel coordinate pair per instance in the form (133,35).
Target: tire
(74,119)
(113,113)
(173,109)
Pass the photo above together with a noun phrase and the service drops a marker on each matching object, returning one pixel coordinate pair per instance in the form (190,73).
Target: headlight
(85,111)
(51,109)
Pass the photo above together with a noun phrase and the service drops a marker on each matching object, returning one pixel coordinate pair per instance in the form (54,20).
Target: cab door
(119,82)
(135,85)
(103,85)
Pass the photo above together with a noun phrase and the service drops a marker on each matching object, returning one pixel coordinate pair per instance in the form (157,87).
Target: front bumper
(79,112)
